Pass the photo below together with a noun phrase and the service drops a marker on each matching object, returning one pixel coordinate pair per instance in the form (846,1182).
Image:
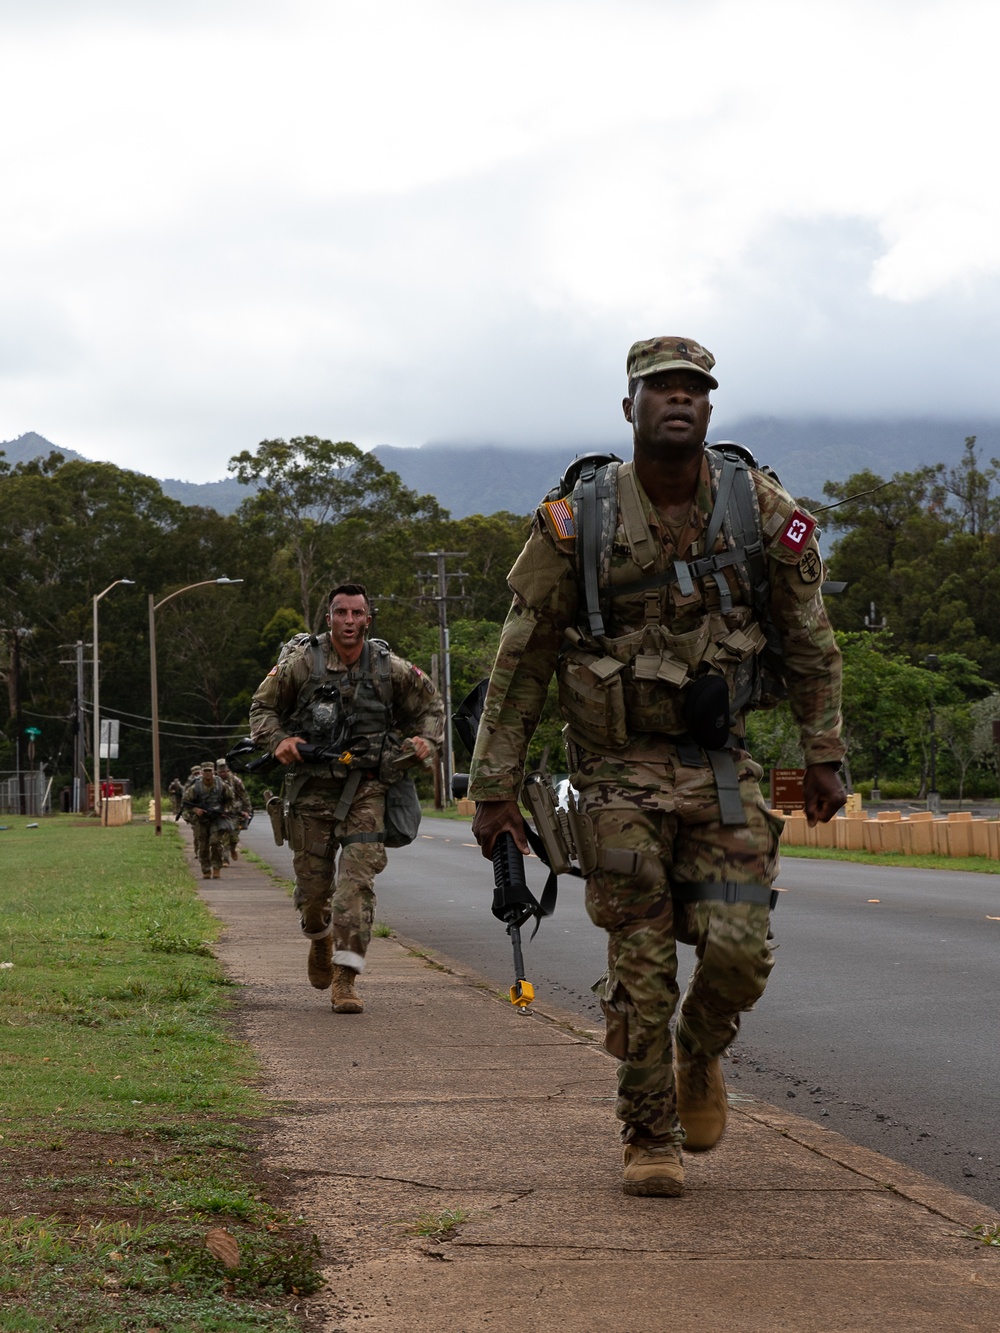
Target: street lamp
(153,608)
(933,799)
(97,694)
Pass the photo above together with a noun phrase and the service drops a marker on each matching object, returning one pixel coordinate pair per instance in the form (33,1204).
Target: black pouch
(706,712)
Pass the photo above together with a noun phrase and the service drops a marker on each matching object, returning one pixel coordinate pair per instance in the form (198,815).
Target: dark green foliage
(923,547)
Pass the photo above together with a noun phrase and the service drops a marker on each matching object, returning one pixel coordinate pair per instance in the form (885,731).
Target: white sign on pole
(109,737)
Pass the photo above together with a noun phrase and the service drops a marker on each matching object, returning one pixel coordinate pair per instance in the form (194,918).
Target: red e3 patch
(798,530)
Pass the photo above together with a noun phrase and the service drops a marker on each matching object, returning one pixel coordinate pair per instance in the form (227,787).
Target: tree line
(917,622)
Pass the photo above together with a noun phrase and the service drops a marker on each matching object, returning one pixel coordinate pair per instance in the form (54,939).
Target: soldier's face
(348,619)
(670,410)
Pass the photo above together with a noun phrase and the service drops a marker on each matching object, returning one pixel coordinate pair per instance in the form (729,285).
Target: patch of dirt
(73,1176)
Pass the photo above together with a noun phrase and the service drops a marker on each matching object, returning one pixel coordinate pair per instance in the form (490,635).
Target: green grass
(287,884)
(440,1226)
(982,864)
(127,1121)
(427,809)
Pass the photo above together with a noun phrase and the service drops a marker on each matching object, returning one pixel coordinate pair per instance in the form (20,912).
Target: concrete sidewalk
(442,1099)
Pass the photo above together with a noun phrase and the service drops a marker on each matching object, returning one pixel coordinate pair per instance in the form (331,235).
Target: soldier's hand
(495,817)
(823,793)
(419,746)
(288,750)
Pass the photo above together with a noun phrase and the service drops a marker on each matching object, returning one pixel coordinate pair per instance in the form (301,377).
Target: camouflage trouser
(327,893)
(211,842)
(670,815)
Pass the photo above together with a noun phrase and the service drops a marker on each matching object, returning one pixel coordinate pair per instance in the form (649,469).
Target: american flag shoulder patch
(559,516)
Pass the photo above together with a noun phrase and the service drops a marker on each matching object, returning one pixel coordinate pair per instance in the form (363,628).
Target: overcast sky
(445,220)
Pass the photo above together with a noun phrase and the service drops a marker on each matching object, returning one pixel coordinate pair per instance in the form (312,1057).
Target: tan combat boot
(216,873)
(345,997)
(320,966)
(653,1171)
(701,1099)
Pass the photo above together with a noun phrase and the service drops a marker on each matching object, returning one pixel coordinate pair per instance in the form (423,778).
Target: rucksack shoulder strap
(640,539)
(381,670)
(596,503)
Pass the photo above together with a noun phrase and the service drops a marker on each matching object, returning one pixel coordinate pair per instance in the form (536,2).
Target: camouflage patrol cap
(658,354)
(222,763)
(208,766)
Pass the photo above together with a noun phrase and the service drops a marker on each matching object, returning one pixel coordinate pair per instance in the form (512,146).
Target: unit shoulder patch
(810,567)
(799,528)
(559,517)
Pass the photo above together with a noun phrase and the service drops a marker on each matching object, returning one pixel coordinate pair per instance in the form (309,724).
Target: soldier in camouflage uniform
(188,815)
(685,846)
(211,806)
(176,790)
(241,818)
(335,808)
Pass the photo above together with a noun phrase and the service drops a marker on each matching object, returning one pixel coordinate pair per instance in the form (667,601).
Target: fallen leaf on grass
(223,1246)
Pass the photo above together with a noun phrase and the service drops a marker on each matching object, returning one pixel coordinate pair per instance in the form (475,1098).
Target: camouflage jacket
(417,708)
(218,801)
(239,792)
(546,602)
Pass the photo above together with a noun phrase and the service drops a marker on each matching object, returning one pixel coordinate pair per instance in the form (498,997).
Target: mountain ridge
(484,478)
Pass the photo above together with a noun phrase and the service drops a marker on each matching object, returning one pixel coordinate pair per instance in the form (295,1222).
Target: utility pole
(438,579)
(79,732)
(80,775)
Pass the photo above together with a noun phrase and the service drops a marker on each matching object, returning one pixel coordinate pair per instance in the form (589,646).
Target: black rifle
(309,754)
(513,901)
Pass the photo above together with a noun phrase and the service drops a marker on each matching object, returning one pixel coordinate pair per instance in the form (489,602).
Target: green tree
(984,713)
(332,511)
(956,728)
(978,509)
(884,702)
(773,739)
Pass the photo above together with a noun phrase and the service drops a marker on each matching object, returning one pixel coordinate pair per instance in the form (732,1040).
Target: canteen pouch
(402,813)
(706,712)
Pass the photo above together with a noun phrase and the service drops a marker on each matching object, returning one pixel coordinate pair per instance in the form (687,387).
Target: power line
(143,717)
(174,735)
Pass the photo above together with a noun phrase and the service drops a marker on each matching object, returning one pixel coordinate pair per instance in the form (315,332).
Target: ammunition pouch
(592,697)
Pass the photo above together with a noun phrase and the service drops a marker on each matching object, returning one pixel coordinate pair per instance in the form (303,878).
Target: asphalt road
(879,1021)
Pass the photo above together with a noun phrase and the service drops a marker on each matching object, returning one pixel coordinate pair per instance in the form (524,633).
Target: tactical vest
(209,798)
(349,709)
(628,667)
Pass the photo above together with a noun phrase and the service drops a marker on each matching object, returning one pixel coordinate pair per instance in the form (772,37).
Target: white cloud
(444,220)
